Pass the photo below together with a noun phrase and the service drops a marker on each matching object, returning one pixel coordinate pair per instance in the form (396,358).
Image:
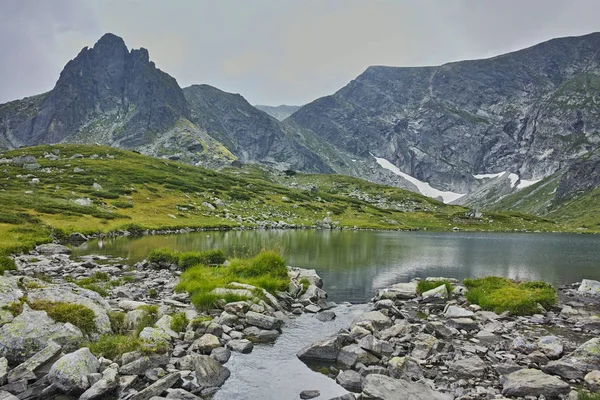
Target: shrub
(204,301)
(179,322)
(163,256)
(501,294)
(113,346)
(424,286)
(78,315)
(117,322)
(134,229)
(6,264)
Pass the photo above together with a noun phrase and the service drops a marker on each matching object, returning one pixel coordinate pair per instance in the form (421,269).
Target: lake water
(354,264)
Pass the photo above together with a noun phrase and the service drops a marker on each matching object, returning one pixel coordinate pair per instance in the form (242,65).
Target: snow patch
(525,183)
(513,179)
(489,176)
(424,187)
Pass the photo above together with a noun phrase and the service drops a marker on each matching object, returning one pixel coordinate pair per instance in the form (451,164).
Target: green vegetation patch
(77,314)
(208,257)
(99,282)
(583,395)
(267,271)
(424,286)
(113,346)
(180,322)
(6,264)
(501,294)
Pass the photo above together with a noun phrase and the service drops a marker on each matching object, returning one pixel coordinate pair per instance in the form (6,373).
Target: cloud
(275,51)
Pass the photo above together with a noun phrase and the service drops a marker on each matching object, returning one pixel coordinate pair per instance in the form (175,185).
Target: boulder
(551,346)
(313,293)
(3,370)
(326,316)
(353,354)
(181,394)
(155,336)
(592,380)
(323,350)
(375,319)
(263,321)
(381,387)
(258,335)
(237,307)
(158,387)
(400,291)
(578,363)
(70,372)
(138,366)
(221,354)
(439,329)
(50,249)
(243,346)
(27,368)
(350,380)
(31,331)
(405,368)
(104,386)
(209,372)
(376,346)
(472,367)
(399,329)
(533,382)
(164,323)
(424,345)
(458,312)
(309,394)
(206,343)
(466,324)
(439,293)
(589,287)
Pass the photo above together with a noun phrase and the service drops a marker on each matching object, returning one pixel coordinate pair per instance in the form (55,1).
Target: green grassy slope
(140,192)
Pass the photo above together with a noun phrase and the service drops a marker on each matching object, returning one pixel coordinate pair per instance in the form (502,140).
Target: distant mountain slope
(279,112)
(529,113)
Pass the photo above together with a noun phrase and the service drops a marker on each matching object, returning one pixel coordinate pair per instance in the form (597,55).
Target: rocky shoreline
(41,357)
(437,346)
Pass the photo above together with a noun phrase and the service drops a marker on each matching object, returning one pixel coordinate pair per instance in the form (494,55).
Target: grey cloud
(277,51)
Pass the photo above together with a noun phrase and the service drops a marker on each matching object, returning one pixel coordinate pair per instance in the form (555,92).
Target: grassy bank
(92,189)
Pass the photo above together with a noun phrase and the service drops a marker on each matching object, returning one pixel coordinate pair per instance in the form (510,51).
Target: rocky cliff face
(250,134)
(529,113)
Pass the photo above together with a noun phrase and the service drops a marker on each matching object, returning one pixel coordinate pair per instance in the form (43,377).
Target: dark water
(354,264)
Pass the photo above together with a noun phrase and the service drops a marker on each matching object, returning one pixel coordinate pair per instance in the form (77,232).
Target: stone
(589,287)
(424,345)
(487,338)
(181,394)
(376,319)
(97,186)
(221,354)
(164,323)
(244,293)
(209,372)
(439,329)
(31,331)
(353,354)
(472,367)
(4,395)
(155,336)
(578,363)
(376,346)
(243,346)
(206,343)
(326,316)
(100,389)
(158,387)
(466,324)
(50,249)
(405,368)
(258,335)
(263,321)
(381,387)
(400,291)
(70,372)
(237,308)
(551,346)
(3,370)
(458,312)
(28,367)
(312,308)
(592,380)
(323,350)
(350,380)
(399,329)
(439,293)
(533,382)
(309,394)
(136,367)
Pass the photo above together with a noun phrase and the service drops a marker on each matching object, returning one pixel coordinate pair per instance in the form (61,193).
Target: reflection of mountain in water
(354,264)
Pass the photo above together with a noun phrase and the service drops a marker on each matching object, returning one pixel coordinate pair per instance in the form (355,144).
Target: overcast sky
(277,51)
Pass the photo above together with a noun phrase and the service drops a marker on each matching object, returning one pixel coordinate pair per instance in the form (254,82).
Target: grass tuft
(180,322)
(424,286)
(113,346)
(77,314)
(500,294)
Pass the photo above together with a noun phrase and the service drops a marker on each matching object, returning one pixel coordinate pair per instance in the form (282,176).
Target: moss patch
(78,315)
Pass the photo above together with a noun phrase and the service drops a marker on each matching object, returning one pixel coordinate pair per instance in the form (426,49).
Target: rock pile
(41,357)
(435,345)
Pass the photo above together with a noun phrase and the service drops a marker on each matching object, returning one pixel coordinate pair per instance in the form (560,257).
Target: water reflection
(354,264)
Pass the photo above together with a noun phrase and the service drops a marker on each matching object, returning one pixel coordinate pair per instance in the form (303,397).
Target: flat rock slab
(533,382)
(381,387)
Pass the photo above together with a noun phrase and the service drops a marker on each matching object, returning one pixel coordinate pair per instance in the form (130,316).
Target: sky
(277,51)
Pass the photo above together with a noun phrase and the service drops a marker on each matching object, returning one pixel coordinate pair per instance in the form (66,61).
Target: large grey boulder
(70,372)
(533,382)
(374,319)
(50,249)
(352,354)
(439,293)
(31,331)
(457,312)
(405,368)
(243,346)
(104,386)
(424,345)
(472,367)
(590,287)
(158,387)
(76,295)
(401,291)
(350,380)
(381,387)
(27,368)
(400,328)
(551,346)
(578,363)
(206,343)
(155,336)
(263,321)
(376,346)
(257,335)
(209,372)
(322,350)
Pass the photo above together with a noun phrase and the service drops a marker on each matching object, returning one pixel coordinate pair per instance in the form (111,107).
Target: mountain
(524,115)
(279,112)
(250,134)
